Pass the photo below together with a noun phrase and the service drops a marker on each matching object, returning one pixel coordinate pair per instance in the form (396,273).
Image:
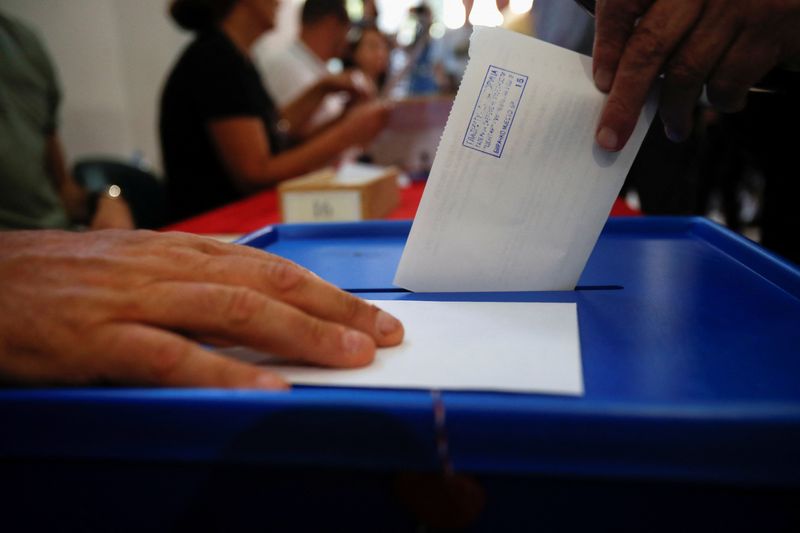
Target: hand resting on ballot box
(133,307)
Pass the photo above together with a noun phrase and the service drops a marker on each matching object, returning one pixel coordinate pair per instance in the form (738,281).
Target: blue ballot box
(690,341)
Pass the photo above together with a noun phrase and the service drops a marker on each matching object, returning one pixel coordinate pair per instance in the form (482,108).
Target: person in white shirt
(288,73)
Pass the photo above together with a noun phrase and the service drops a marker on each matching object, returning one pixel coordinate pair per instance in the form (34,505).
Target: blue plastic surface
(359,256)
(309,426)
(689,338)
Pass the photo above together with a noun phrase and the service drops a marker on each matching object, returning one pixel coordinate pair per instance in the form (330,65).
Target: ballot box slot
(406,291)
(369,291)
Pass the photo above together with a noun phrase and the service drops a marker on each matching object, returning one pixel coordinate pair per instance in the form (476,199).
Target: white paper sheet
(519,191)
(498,346)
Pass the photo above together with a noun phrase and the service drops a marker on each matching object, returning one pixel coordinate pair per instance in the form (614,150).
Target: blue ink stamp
(494,112)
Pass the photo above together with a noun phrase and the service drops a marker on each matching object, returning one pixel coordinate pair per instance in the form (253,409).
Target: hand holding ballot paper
(721,46)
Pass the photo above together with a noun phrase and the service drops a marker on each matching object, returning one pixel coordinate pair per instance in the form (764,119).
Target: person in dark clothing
(211,80)
(368,51)
(221,135)
(37,191)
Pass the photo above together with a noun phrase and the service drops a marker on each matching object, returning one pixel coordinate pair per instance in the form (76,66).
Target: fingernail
(387,324)
(603,79)
(355,342)
(673,135)
(607,138)
(269,381)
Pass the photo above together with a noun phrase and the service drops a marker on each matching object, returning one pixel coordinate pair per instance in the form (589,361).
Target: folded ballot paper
(523,347)
(518,191)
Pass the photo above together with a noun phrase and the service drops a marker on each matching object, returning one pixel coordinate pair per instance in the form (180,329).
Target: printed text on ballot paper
(494,112)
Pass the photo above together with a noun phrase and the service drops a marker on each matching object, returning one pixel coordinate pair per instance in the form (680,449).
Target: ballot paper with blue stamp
(519,191)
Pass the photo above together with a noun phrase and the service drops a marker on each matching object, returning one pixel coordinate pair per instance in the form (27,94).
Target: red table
(262,210)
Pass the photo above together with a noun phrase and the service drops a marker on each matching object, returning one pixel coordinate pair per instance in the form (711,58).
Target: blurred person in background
(454,52)
(288,73)
(222,137)
(563,23)
(370,12)
(368,52)
(36,190)
(422,55)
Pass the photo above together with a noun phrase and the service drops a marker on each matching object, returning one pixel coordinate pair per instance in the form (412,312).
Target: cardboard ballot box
(690,418)
(353,192)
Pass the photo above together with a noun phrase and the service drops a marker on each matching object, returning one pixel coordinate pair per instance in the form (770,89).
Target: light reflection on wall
(454,14)
(520,6)
(485,13)
(393,14)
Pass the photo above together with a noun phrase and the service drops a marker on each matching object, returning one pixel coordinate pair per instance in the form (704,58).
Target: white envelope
(519,191)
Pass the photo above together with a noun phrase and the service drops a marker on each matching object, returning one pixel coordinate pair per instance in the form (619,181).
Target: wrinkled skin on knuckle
(165,361)
(284,275)
(177,248)
(183,256)
(683,75)
(352,308)
(317,333)
(648,45)
(241,306)
(205,245)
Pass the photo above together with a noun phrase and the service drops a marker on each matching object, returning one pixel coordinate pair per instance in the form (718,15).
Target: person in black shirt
(212,80)
(221,135)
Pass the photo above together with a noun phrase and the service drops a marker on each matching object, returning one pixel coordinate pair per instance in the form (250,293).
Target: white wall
(149,43)
(112,57)
(81,38)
